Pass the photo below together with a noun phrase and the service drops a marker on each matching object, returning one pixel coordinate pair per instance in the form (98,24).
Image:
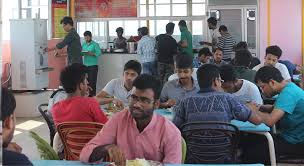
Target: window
(34,9)
(10,11)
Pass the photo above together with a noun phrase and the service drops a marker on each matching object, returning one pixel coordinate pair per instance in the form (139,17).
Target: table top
(78,163)
(243,126)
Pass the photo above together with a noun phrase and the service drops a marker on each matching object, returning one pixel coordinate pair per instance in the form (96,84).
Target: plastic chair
(74,136)
(49,121)
(210,142)
(184,150)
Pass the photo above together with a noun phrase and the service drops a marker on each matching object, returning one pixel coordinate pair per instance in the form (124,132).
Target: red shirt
(83,109)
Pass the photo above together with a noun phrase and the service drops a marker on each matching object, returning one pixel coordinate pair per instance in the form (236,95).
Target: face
(88,39)
(8,129)
(218,84)
(129,76)
(84,88)
(229,87)
(184,75)
(221,32)
(204,59)
(218,55)
(66,27)
(142,104)
(267,88)
(119,33)
(210,26)
(271,59)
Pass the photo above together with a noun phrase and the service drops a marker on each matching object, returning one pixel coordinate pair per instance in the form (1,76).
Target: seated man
(137,132)
(203,57)
(120,88)
(183,86)
(287,111)
(243,90)
(241,65)
(11,151)
(210,104)
(218,57)
(273,54)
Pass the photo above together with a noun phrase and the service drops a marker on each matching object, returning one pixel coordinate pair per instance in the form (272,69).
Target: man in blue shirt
(288,112)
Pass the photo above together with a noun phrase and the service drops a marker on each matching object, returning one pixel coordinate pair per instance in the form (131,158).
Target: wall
(285,28)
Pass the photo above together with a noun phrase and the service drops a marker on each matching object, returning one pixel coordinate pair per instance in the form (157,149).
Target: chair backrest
(74,136)
(210,142)
(49,120)
(184,150)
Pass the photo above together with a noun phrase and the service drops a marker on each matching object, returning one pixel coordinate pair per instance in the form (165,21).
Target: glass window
(131,28)
(176,28)
(162,1)
(44,2)
(179,1)
(162,10)
(152,27)
(151,1)
(143,23)
(95,29)
(198,1)
(44,13)
(198,9)
(151,10)
(113,25)
(161,26)
(179,10)
(197,27)
(142,11)
(102,31)
(89,26)
(81,26)
(142,1)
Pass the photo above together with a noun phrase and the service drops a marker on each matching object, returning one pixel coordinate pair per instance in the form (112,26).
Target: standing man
(146,52)
(91,51)
(185,44)
(120,42)
(166,47)
(72,40)
(226,43)
(214,33)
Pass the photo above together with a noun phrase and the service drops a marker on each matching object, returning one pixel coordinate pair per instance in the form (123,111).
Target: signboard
(59,10)
(105,8)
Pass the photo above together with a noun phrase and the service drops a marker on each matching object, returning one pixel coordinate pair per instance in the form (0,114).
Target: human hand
(13,146)
(170,103)
(118,103)
(116,155)
(253,106)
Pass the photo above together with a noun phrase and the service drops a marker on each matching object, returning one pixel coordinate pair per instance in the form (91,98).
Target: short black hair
(170,27)
(146,81)
(67,20)
(119,29)
(223,28)
(243,58)
(267,73)
(8,103)
(72,76)
(254,62)
(212,20)
(206,74)
(218,48)
(206,51)
(134,65)
(241,45)
(183,61)
(274,50)
(182,23)
(227,73)
(144,31)
(87,33)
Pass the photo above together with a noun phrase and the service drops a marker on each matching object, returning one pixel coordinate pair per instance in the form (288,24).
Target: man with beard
(136,132)
(120,88)
(287,111)
(185,85)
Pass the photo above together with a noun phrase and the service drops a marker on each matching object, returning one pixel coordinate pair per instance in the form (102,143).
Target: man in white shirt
(273,54)
(243,90)
(214,33)
(120,88)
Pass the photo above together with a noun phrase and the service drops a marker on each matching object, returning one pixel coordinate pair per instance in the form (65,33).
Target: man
(287,111)
(185,44)
(137,132)
(146,52)
(72,40)
(91,51)
(210,104)
(76,107)
(203,57)
(273,54)
(11,151)
(185,85)
(242,62)
(214,33)
(120,42)
(120,88)
(166,50)
(243,90)
(218,57)
(226,43)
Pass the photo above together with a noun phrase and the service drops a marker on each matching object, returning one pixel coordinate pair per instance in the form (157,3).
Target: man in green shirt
(185,44)
(91,51)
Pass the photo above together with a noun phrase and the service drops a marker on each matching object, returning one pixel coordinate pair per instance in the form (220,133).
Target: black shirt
(14,158)
(72,40)
(166,47)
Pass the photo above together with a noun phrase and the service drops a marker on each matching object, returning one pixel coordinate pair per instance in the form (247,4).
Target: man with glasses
(136,132)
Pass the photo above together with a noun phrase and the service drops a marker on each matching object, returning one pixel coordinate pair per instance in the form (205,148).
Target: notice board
(59,10)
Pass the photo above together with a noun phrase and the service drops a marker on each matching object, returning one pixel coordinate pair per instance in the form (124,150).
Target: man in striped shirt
(226,43)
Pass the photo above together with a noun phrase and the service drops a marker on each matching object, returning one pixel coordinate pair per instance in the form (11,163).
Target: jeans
(92,78)
(149,68)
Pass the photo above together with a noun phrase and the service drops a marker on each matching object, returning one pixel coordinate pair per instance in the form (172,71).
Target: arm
(266,108)
(183,43)
(173,146)
(67,40)
(180,115)
(272,118)
(112,151)
(221,42)
(97,113)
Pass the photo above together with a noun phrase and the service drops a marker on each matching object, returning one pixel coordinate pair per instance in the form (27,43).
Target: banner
(105,8)
(59,10)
